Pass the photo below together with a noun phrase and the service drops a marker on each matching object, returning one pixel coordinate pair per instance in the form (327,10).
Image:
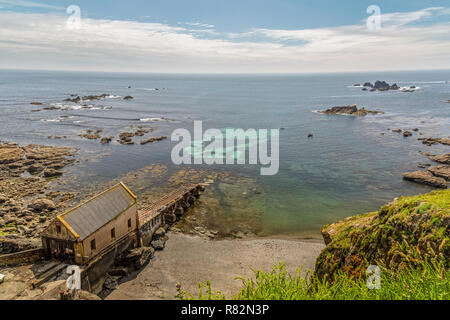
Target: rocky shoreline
(27,201)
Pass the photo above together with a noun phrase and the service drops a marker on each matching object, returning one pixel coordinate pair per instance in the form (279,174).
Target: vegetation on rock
(406,232)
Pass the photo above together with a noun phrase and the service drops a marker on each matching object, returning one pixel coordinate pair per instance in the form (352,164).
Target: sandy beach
(189,260)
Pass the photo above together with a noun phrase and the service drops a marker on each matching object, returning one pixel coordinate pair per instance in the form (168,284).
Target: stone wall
(21,258)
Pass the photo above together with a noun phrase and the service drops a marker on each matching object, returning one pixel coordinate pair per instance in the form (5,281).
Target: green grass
(430,282)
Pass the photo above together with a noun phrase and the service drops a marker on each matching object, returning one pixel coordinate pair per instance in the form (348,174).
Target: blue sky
(221,36)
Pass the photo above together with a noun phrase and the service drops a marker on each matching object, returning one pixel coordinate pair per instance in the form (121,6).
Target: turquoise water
(347,168)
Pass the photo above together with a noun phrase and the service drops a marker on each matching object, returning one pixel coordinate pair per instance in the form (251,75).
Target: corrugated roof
(90,216)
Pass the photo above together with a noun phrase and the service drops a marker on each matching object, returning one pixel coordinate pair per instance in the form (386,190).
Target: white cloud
(43,41)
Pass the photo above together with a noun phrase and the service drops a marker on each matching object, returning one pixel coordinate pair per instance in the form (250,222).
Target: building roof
(93,214)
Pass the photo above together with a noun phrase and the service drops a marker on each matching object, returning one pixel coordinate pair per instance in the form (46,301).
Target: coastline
(190,259)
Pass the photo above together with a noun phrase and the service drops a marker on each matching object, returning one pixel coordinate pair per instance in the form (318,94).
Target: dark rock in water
(74,100)
(158,244)
(36,103)
(373,90)
(407,134)
(106,140)
(350,110)
(441,171)
(397,130)
(426,178)
(416,129)
(128,98)
(394,87)
(424,165)
(310,135)
(432,141)
(357,85)
(381,85)
(444,159)
(129,87)
(364,89)
(368,84)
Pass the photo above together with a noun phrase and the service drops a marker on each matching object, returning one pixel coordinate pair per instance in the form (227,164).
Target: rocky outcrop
(349,110)
(128,98)
(441,171)
(380,86)
(404,233)
(433,141)
(444,159)
(153,139)
(12,244)
(426,178)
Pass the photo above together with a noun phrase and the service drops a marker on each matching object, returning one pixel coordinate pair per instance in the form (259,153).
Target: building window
(129,223)
(58,228)
(113,233)
(93,245)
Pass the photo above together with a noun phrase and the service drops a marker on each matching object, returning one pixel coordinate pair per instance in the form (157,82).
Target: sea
(351,165)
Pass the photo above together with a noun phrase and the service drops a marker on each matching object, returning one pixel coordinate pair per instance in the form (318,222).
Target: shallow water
(347,168)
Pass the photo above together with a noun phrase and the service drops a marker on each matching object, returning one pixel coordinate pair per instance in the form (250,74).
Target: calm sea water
(347,168)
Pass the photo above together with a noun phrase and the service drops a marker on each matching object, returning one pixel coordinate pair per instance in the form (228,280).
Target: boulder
(158,244)
(160,233)
(128,98)
(426,178)
(368,84)
(382,85)
(42,205)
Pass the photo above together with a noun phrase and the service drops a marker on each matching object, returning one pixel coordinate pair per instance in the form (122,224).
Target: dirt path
(189,260)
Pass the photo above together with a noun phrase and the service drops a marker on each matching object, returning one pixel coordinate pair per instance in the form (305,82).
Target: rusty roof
(96,212)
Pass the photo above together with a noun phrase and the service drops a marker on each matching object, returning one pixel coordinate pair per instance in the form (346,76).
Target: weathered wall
(21,258)
(103,235)
(147,230)
(94,275)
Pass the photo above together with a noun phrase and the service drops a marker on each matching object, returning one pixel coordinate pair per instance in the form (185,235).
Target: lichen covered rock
(408,231)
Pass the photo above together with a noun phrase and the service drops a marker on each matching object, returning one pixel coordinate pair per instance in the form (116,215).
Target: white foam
(152,119)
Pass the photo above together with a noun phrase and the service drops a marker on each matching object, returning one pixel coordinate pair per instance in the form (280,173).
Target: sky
(225,36)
